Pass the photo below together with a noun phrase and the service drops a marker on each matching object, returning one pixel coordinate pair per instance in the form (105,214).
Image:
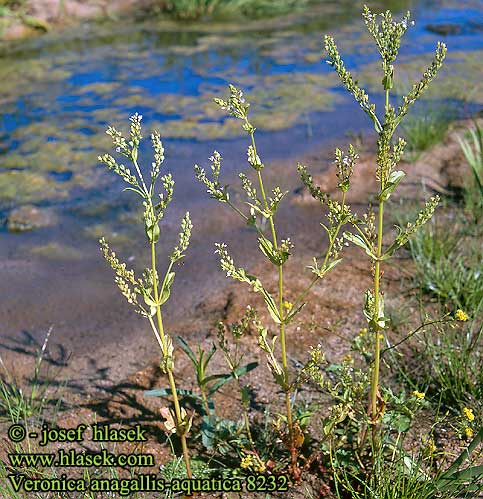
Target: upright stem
(283,346)
(204,399)
(377,279)
(245,412)
(172,383)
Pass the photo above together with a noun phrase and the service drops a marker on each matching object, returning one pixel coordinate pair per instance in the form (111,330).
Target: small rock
(444,29)
(29,217)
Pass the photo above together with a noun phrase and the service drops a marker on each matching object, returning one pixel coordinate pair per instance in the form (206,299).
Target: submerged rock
(29,217)
(444,29)
(56,251)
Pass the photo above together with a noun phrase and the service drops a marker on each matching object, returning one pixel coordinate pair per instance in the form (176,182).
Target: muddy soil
(39,16)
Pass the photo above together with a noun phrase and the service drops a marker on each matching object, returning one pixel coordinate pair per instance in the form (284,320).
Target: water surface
(58,95)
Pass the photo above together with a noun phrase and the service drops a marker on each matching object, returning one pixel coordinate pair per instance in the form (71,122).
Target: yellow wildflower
(419,395)
(260,467)
(363,331)
(246,462)
(431,446)
(468,432)
(287,305)
(460,315)
(469,414)
(348,359)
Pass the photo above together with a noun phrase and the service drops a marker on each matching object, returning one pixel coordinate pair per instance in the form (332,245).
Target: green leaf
(214,377)
(262,212)
(152,232)
(266,247)
(187,350)
(224,378)
(209,356)
(359,241)
(387,82)
(465,454)
(242,370)
(208,432)
(369,311)
(394,179)
(271,305)
(331,265)
(402,423)
(148,298)
(166,289)
(293,313)
(344,186)
(165,392)
(219,384)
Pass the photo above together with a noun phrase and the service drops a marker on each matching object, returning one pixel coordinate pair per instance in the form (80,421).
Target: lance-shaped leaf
(392,182)
(359,241)
(271,306)
(166,288)
(224,378)
(376,319)
(266,247)
(293,313)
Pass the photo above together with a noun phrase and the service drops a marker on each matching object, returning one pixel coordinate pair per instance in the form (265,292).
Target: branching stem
(172,384)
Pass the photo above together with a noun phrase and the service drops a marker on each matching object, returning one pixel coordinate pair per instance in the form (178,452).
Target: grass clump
(426,129)
(452,354)
(18,404)
(472,146)
(190,10)
(448,271)
(449,266)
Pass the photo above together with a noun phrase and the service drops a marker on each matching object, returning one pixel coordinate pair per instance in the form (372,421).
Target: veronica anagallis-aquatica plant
(369,233)
(259,212)
(148,294)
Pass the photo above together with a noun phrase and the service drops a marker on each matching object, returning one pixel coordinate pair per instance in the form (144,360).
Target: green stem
(138,170)
(377,279)
(375,320)
(172,384)
(234,208)
(283,346)
(204,398)
(245,412)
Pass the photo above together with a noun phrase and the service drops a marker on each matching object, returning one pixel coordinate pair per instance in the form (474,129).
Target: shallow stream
(58,94)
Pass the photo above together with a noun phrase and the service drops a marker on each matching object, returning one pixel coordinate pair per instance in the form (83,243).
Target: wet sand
(99,336)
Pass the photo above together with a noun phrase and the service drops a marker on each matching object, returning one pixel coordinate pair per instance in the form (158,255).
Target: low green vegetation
(199,9)
(425,129)
(472,146)
(12,11)
(18,404)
